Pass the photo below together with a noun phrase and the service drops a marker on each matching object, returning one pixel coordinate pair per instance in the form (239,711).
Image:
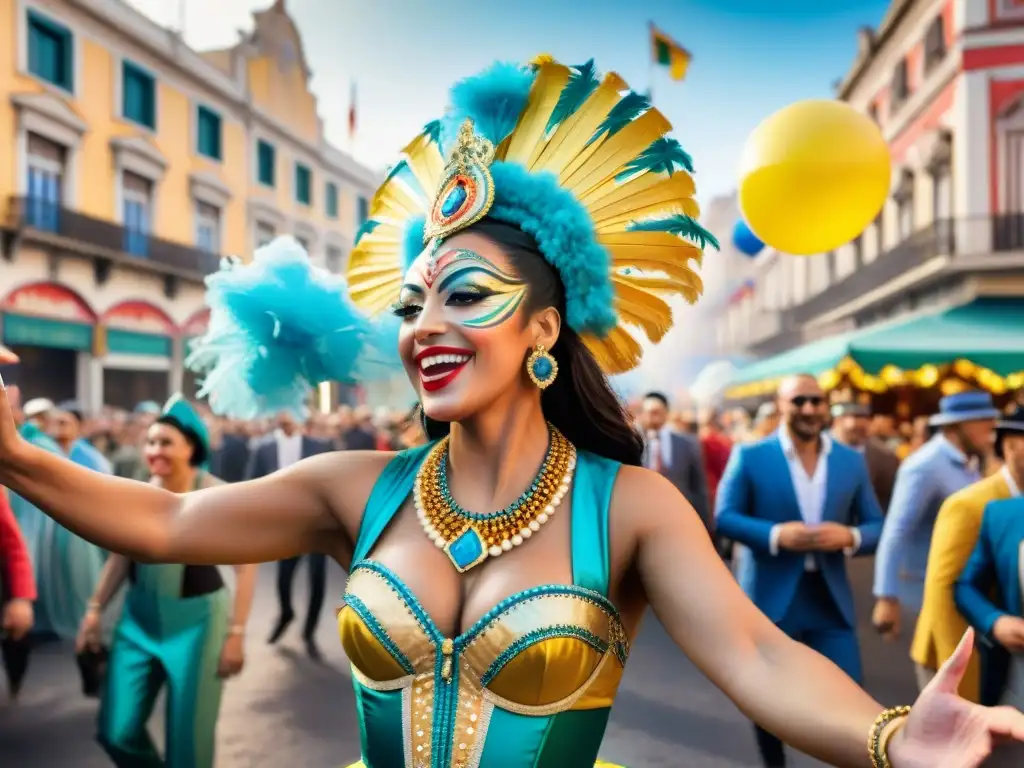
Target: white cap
(36,407)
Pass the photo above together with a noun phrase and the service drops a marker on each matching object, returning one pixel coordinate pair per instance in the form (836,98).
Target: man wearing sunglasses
(801,503)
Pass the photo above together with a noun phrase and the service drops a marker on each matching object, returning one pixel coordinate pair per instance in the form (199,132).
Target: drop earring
(541,367)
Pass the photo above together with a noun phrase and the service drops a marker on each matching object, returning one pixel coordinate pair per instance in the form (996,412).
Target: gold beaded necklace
(469,538)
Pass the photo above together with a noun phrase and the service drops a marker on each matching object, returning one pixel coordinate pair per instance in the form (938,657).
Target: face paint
(486,295)
(481,294)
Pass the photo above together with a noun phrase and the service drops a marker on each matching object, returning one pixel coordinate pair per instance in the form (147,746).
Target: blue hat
(179,411)
(1011,423)
(147,407)
(964,406)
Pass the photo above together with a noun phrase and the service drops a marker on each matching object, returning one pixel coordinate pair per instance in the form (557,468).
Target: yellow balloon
(813,176)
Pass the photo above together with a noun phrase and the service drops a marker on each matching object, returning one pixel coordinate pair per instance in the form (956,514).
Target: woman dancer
(175,625)
(516,240)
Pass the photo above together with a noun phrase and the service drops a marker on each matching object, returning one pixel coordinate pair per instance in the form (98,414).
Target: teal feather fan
(278,328)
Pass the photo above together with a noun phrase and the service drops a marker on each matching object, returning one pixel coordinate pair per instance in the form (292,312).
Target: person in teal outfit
(499,574)
(178,627)
(67,566)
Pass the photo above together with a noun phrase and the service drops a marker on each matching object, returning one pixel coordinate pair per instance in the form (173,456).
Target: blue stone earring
(541,367)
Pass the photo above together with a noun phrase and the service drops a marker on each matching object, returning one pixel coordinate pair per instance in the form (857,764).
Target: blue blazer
(989,587)
(756,493)
(925,479)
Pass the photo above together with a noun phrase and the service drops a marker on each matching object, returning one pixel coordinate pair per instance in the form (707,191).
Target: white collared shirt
(1010,482)
(811,491)
(662,442)
(289,448)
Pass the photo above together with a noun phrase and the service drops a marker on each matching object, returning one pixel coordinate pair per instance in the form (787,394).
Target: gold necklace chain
(468,538)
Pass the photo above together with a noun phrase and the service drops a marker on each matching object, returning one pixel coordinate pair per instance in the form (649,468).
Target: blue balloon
(746,241)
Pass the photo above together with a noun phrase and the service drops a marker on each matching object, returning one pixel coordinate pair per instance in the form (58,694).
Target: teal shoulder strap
(591,502)
(389,493)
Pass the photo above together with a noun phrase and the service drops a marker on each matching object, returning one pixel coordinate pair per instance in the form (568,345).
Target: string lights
(955,377)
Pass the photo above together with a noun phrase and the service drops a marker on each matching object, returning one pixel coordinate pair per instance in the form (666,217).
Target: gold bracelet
(236,629)
(94,605)
(878,737)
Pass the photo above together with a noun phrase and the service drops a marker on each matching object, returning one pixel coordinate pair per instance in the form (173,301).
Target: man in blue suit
(801,503)
(988,592)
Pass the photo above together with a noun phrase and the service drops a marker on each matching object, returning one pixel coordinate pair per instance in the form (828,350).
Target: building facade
(137,163)
(944,80)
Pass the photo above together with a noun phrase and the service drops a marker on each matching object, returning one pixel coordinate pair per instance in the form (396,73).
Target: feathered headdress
(576,160)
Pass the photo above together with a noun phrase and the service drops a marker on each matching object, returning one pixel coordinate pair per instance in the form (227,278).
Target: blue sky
(751,57)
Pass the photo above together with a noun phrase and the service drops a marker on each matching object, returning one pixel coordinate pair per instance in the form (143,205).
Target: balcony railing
(1008,232)
(45,221)
(934,240)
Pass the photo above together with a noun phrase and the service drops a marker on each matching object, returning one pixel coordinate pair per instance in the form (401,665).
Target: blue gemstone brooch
(466,191)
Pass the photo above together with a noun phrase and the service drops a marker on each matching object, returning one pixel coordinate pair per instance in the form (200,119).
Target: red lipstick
(438,366)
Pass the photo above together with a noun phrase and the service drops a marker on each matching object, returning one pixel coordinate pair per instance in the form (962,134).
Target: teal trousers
(164,642)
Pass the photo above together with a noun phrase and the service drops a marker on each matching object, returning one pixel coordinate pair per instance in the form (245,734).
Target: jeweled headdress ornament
(579,162)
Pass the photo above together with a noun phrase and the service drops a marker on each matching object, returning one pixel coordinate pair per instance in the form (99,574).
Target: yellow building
(137,162)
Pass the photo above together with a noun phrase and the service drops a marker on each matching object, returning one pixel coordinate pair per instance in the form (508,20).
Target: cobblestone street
(286,711)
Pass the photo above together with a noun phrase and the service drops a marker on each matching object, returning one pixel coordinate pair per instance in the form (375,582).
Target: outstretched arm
(780,684)
(314,505)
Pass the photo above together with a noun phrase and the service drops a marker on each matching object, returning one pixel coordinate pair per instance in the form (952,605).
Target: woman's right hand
(89,631)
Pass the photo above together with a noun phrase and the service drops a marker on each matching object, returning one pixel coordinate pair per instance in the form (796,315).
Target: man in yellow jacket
(940,625)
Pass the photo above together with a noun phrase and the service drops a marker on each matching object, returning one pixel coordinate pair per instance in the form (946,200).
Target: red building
(944,79)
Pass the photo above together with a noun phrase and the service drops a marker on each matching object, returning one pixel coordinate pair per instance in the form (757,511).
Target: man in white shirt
(801,503)
(284,447)
(672,454)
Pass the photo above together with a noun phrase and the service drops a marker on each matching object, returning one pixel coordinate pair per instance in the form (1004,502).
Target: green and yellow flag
(666,52)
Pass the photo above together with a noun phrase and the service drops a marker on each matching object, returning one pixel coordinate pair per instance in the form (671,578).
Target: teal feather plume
(631,106)
(403,173)
(679,225)
(493,99)
(367,227)
(432,130)
(583,81)
(278,328)
(664,155)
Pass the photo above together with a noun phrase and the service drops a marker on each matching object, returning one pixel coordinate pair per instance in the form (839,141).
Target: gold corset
(542,651)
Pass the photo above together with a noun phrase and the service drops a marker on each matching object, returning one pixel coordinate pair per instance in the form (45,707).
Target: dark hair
(198,449)
(580,401)
(657,396)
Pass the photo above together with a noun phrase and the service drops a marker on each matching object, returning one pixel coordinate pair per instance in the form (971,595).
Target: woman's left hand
(946,731)
(232,657)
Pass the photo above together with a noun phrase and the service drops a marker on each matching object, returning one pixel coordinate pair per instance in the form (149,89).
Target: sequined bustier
(530,684)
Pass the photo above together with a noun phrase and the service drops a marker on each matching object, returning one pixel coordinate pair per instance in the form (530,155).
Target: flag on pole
(352,111)
(666,52)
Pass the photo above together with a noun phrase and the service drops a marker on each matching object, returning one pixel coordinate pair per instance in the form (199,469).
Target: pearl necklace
(469,538)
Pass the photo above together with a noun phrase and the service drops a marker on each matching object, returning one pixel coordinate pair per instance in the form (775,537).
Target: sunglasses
(801,400)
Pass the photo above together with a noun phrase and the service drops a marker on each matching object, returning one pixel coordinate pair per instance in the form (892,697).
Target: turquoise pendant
(466,551)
